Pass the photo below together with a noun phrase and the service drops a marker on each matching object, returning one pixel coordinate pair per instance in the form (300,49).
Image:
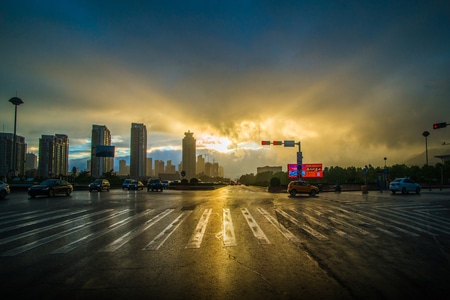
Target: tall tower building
(62,154)
(31,161)
(188,156)
(138,151)
(53,156)
(101,136)
(200,164)
(7,157)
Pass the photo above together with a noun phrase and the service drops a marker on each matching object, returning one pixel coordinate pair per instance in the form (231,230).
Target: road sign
(289,143)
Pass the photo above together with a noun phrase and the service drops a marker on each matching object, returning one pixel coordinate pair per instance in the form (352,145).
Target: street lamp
(426,134)
(15,101)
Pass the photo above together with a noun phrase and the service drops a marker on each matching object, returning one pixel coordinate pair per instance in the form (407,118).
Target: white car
(404,185)
(4,189)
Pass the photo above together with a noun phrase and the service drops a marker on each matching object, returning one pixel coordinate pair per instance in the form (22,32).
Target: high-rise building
(31,161)
(6,155)
(101,136)
(53,155)
(62,154)
(189,152)
(138,151)
(200,164)
(159,167)
(149,167)
(123,168)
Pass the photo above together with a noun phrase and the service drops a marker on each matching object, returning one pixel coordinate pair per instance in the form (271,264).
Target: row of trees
(426,175)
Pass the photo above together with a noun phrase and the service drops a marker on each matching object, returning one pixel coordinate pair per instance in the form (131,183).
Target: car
(136,185)
(4,189)
(125,184)
(50,188)
(165,184)
(100,185)
(154,185)
(404,185)
(302,187)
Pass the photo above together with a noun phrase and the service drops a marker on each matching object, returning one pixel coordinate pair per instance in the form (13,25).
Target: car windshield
(48,182)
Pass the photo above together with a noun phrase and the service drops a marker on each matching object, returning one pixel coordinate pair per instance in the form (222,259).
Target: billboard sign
(292,171)
(312,171)
(104,151)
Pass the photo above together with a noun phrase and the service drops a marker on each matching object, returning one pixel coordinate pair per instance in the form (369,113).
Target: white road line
(323,225)
(304,227)
(59,216)
(57,236)
(283,230)
(90,237)
(384,224)
(30,216)
(229,239)
(135,232)
(197,237)
(49,227)
(159,240)
(413,220)
(257,231)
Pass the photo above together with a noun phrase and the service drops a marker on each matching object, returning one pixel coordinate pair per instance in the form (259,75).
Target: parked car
(100,185)
(125,184)
(4,189)
(136,185)
(154,185)
(50,188)
(404,185)
(165,184)
(302,187)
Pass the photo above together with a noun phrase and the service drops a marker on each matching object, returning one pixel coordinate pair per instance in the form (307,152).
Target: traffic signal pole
(290,143)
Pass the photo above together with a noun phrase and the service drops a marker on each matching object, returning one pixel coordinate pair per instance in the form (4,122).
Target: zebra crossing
(21,232)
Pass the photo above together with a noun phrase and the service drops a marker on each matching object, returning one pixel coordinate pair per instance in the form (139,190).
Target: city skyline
(354,83)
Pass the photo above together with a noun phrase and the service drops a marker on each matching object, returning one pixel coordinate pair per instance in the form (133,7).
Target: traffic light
(265,142)
(277,143)
(439,125)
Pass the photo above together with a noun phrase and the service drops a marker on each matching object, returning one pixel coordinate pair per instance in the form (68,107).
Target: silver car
(4,189)
(404,185)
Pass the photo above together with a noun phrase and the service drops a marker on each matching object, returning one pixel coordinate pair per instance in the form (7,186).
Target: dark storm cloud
(354,81)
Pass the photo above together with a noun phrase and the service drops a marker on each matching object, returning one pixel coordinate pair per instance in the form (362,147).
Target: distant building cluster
(53,157)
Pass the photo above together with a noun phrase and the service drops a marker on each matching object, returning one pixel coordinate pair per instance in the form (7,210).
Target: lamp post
(426,134)
(16,101)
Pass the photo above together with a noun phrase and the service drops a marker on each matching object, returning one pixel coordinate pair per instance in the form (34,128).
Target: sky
(352,81)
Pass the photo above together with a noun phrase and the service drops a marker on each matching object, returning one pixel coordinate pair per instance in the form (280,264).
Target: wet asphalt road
(235,242)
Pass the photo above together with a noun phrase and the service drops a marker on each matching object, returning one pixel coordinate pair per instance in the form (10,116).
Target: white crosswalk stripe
(71,229)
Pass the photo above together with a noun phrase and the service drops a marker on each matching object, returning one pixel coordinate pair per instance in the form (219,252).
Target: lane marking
(197,237)
(135,232)
(49,227)
(283,230)
(159,240)
(228,237)
(59,216)
(90,237)
(304,227)
(57,236)
(257,231)
(323,225)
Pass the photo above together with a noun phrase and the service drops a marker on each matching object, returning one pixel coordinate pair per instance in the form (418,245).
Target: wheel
(2,194)
(293,193)
(68,192)
(417,190)
(51,193)
(404,191)
(312,193)
(393,192)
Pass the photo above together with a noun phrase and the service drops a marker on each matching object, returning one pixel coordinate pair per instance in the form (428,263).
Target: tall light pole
(16,101)
(426,134)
